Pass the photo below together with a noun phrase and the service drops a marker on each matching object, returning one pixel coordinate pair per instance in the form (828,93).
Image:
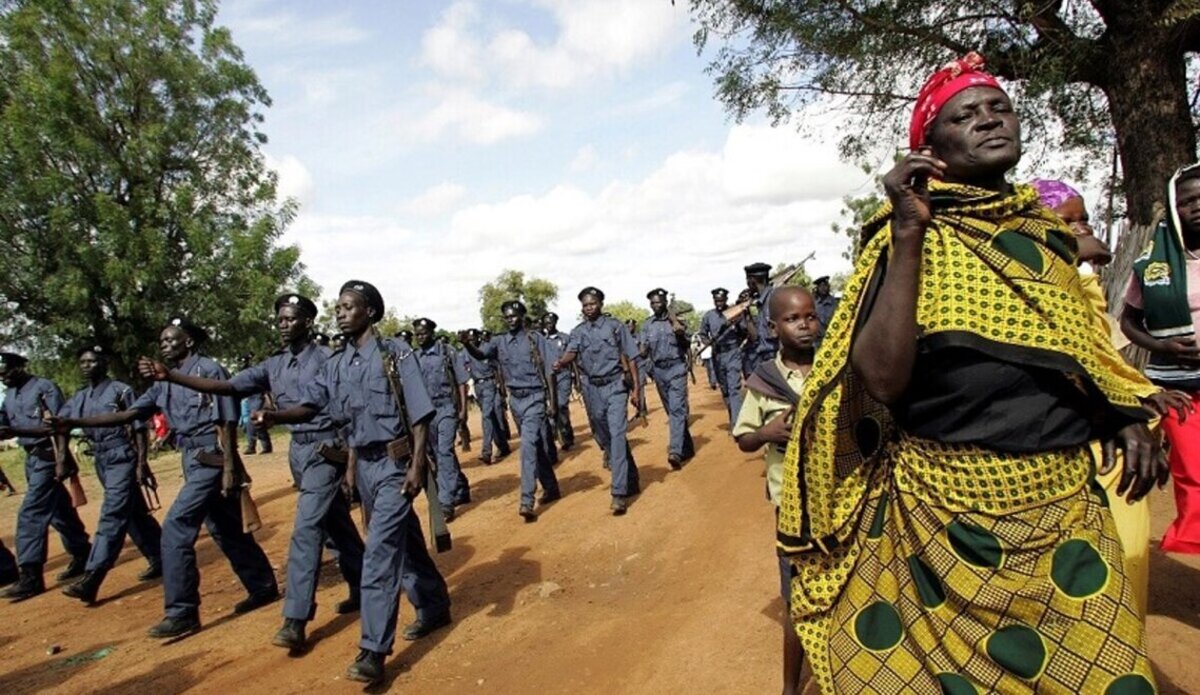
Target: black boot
(86,589)
(291,635)
(76,567)
(367,668)
(152,571)
(29,585)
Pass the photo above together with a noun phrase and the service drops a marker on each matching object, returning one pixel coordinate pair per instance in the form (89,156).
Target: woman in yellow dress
(939,501)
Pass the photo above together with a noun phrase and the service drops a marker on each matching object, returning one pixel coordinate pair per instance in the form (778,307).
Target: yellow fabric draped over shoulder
(997,275)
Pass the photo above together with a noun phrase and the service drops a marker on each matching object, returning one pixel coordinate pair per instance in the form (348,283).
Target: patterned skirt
(975,572)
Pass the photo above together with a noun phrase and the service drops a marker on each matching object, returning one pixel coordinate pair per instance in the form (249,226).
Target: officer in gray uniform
(444,377)
(118,453)
(725,338)
(316,456)
(525,363)
(505,431)
(824,302)
(483,376)
(195,418)
(763,346)
(599,343)
(556,343)
(665,343)
(46,501)
(390,450)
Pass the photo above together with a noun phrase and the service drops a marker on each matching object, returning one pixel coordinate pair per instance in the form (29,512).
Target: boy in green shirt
(765,420)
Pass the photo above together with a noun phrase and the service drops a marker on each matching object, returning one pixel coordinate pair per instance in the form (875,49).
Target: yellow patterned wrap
(879,524)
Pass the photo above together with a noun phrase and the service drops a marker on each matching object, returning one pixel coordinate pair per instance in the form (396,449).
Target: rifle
(6,484)
(439,532)
(239,479)
(627,377)
(145,476)
(685,348)
(66,468)
(456,396)
(551,394)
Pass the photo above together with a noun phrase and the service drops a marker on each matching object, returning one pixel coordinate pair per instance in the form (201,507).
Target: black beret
(472,333)
(758,269)
(551,315)
(720,291)
(425,323)
(368,292)
(93,347)
(405,334)
(592,291)
(823,278)
(513,305)
(304,304)
(321,338)
(656,292)
(11,360)
(196,333)
(485,333)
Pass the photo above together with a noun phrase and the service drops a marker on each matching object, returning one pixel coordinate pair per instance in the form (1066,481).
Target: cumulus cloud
(295,181)
(464,116)
(434,200)
(585,159)
(690,224)
(593,38)
(285,29)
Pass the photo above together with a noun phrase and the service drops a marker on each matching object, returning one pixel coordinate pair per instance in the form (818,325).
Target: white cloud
(683,226)
(463,116)
(286,30)
(295,181)
(585,159)
(593,38)
(434,200)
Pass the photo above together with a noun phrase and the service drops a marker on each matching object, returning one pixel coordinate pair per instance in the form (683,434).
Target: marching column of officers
(373,421)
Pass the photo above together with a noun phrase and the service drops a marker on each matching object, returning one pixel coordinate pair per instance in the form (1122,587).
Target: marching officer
(725,339)
(556,343)
(606,351)
(120,457)
(446,382)
(316,456)
(483,377)
(665,344)
(46,501)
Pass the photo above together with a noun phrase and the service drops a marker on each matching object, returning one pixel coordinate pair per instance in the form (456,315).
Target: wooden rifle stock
(251,521)
(66,468)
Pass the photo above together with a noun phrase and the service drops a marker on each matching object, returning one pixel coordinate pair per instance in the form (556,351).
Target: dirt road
(678,596)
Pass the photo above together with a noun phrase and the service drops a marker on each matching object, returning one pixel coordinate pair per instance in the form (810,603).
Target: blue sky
(433,144)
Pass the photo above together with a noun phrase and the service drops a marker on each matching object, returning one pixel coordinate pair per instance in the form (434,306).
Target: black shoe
(152,572)
(675,461)
(291,635)
(367,668)
(419,628)
(248,451)
(449,513)
(350,605)
(9,577)
(620,505)
(76,567)
(567,446)
(29,584)
(170,628)
(485,460)
(254,601)
(548,497)
(267,449)
(527,513)
(505,451)
(86,589)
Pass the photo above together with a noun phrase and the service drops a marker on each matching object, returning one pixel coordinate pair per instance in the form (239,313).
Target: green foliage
(133,185)
(625,310)
(536,293)
(1071,60)
(857,209)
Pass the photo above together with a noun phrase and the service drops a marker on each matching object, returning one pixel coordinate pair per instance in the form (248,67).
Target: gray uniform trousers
(529,409)
(395,556)
(671,381)
(321,512)
(608,413)
(200,501)
(46,503)
(123,510)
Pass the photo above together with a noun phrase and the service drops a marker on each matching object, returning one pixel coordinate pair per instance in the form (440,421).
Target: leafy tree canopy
(536,293)
(132,184)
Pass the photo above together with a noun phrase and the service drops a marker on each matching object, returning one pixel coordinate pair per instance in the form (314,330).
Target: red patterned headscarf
(961,74)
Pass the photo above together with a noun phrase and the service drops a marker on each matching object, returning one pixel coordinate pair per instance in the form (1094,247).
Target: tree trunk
(1148,102)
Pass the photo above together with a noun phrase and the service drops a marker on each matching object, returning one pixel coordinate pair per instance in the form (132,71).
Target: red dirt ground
(678,596)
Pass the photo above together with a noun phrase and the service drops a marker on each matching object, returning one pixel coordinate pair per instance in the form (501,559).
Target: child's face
(796,326)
